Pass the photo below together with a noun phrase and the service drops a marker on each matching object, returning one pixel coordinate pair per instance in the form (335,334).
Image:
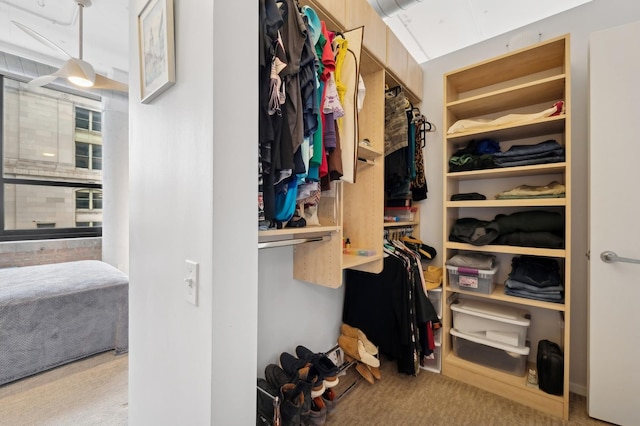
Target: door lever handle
(610,257)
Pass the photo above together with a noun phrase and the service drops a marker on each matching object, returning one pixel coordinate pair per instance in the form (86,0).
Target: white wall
(115,179)
(235,182)
(579,22)
(292,313)
(192,196)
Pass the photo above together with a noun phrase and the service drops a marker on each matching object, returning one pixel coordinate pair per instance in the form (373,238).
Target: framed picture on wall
(156,49)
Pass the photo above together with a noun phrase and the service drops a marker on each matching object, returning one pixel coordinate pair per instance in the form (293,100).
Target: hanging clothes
(392,309)
(418,187)
(397,160)
(299,139)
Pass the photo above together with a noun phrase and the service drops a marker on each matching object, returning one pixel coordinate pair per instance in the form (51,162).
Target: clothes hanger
(410,239)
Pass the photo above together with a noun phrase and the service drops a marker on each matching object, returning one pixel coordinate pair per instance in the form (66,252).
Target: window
(51,168)
(88,136)
(88,156)
(88,120)
(88,207)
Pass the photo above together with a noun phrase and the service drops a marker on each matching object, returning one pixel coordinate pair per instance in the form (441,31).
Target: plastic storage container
(507,358)
(498,323)
(476,280)
(400,214)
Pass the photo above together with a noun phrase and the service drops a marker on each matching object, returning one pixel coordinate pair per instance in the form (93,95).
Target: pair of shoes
(295,394)
(326,368)
(296,222)
(433,277)
(364,371)
(354,347)
(349,331)
(329,398)
(369,373)
(306,371)
(355,344)
(318,414)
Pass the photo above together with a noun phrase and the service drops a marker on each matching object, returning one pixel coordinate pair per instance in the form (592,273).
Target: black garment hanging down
(391,309)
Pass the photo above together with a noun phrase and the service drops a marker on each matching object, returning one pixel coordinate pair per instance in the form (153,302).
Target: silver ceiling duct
(389,8)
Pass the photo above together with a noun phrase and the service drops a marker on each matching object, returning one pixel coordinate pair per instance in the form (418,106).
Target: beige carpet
(432,399)
(92,391)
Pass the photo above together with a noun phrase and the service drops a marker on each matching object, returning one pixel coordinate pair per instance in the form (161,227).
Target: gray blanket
(54,314)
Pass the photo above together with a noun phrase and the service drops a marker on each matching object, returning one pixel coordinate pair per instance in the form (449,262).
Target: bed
(54,314)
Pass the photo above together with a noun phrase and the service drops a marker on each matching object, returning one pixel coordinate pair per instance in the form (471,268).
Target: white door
(614,288)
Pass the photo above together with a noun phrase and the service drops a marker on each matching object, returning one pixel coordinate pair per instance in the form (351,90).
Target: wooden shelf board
(368,152)
(504,384)
(543,126)
(533,251)
(399,224)
(529,60)
(519,202)
(498,294)
(505,172)
(297,232)
(351,261)
(536,92)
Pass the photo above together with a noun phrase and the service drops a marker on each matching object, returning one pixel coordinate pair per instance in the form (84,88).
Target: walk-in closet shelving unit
(356,211)
(525,81)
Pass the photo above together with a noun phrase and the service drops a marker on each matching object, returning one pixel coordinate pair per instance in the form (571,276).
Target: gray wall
(579,22)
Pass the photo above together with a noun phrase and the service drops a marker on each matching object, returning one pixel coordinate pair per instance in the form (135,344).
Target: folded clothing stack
(535,278)
(548,151)
(551,190)
(470,259)
(532,228)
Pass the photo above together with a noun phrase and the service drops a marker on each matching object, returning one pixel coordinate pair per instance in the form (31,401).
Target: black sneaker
(306,371)
(327,369)
(278,378)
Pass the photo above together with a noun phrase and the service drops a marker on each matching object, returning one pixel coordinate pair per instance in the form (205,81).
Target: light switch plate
(191,282)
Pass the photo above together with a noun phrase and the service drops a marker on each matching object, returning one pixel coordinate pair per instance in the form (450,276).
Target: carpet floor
(94,391)
(432,399)
(89,392)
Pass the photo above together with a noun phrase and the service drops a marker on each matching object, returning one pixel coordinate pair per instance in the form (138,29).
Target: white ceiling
(432,28)
(106,31)
(428,28)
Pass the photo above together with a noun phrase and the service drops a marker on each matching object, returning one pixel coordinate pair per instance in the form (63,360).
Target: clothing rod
(292,242)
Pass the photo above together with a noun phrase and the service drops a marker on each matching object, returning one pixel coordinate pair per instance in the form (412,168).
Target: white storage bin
(507,358)
(499,323)
(477,280)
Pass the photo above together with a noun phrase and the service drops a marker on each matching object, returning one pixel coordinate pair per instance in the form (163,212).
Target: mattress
(54,314)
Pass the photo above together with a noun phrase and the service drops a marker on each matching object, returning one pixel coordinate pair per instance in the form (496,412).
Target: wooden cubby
(528,80)
(355,210)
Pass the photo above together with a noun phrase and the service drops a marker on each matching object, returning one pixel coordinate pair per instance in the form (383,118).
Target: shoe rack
(525,81)
(355,211)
